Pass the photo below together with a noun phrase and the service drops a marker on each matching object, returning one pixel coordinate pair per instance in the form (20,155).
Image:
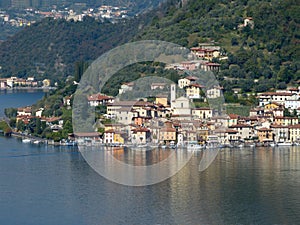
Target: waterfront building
(280,133)
(168,133)
(245,131)
(140,135)
(265,134)
(88,138)
(294,131)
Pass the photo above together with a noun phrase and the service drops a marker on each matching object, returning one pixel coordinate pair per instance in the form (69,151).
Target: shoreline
(33,139)
(28,88)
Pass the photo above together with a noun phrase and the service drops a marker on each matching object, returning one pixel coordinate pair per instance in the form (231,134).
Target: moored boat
(212,142)
(26,140)
(284,143)
(194,146)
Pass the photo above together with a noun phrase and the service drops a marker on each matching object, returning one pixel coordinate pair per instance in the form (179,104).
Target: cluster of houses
(26,114)
(13,82)
(202,56)
(30,15)
(173,120)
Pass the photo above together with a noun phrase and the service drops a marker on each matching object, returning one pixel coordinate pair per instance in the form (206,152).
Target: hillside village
(172,119)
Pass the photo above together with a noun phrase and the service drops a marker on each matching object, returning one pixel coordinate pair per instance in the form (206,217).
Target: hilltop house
(126,87)
(186,81)
(99,99)
(193,91)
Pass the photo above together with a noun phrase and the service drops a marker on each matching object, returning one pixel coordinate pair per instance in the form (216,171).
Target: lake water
(54,185)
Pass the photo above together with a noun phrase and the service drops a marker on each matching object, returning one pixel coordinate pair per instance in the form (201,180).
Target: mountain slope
(269,52)
(51,47)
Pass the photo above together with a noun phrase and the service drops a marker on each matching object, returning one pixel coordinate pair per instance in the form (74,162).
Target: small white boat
(194,146)
(36,142)
(272,144)
(26,140)
(285,143)
(240,145)
(212,142)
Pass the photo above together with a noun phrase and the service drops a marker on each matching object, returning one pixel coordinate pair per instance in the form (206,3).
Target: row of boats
(35,141)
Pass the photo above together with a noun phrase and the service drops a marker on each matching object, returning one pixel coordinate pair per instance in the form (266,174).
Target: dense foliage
(259,58)
(49,49)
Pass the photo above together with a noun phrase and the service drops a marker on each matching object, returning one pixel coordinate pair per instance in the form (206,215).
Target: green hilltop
(260,58)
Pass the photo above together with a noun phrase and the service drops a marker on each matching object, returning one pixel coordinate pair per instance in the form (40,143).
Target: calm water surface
(54,185)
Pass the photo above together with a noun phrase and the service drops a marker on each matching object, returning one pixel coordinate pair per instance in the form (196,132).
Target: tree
(10,112)
(21,125)
(80,68)
(286,112)
(67,127)
(234,41)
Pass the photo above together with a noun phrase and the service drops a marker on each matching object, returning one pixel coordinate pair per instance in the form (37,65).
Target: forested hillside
(268,52)
(52,47)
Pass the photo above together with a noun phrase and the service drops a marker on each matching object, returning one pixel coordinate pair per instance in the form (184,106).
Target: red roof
(191,78)
(196,85)
(140,129)
(240,125)
(264,129)
(99,97)
(87,134)
(296,126)
(212,64)
(233,116)
(168,129)
(276,94)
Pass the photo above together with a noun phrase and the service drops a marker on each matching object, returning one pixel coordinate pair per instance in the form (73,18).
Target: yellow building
(46,83)
(193,91)
(118,138)
(272,105)
(161,100)
(264,134)
(202,113)
(168,133)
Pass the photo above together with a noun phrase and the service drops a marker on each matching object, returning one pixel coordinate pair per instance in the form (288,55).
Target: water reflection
(50,185)
(137,168)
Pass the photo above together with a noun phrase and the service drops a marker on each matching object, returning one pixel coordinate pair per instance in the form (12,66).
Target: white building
(292,104)
(278,97)
(186,81)
(202,113)
(126,87)
(214,92)
(181,106)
